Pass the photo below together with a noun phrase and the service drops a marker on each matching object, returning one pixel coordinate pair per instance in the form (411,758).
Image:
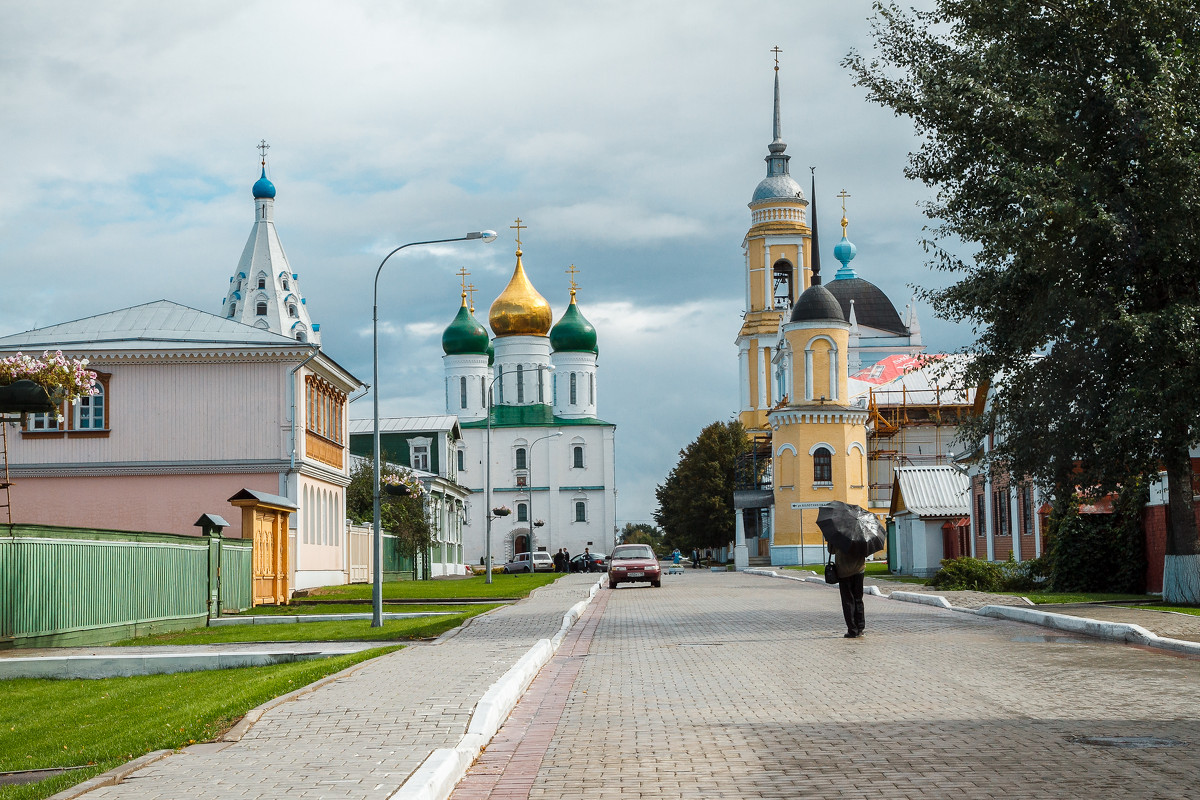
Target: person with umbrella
(853,533)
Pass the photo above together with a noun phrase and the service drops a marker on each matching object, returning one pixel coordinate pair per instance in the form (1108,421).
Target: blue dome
(263,188)
(845,252)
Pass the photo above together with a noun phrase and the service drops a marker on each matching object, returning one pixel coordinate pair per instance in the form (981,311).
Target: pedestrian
(850,571)
(566,560)
(695,558)
(587,560)
(676,557)
(558,565)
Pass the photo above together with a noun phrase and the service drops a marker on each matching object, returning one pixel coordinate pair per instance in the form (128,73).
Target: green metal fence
(63,586)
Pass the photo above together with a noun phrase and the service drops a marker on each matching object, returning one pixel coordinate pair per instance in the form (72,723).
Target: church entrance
(521,543)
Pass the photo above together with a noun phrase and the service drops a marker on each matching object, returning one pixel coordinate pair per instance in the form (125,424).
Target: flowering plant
(501,511)
(403,477)
(539,523)
(62,378)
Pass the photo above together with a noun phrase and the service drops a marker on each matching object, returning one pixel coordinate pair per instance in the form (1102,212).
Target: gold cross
(573,271)
(263,147)
(776,51)
(471,291)
(462,273)
(518,227)
(843,195)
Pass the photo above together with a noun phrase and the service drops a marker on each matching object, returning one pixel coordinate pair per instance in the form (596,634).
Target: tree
(695,503)
(643,533)
(402,515)
(1063,139)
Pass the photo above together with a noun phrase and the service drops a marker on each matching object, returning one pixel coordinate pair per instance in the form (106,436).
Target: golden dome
(520,310)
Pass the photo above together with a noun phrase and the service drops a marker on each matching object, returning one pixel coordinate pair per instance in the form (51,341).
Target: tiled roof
(151,326)
(938,491)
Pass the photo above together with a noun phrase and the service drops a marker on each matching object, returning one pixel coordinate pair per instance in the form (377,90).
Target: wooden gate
(265,519)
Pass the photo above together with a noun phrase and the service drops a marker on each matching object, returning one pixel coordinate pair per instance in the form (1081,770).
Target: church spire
(777,161)
(816,245)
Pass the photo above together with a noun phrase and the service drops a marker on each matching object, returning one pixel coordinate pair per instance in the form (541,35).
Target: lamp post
(535,441)
(377,577)
(487,492)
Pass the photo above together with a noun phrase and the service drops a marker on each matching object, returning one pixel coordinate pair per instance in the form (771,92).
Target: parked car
(579,562)
(634,563)
(530,562)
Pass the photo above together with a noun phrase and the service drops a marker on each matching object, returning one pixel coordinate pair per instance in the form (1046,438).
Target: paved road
(736,686)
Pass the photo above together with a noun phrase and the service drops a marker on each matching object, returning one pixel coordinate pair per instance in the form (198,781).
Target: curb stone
(113,776)
(1113,631)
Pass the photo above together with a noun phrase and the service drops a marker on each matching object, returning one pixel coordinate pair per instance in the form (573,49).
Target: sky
(627,136)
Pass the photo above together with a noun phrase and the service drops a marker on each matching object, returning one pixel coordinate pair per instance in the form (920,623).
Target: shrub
(973,574)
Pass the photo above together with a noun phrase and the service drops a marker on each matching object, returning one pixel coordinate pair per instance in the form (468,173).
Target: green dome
(465,336)
(573,333)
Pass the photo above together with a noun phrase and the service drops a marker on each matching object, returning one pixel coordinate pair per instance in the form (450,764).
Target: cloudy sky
(628,136)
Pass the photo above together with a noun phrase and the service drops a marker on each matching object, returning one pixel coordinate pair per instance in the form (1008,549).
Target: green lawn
(104,723)
(332,631)
(300,607)
(1050,598)
(505,586)
(874,569)
(1181,609)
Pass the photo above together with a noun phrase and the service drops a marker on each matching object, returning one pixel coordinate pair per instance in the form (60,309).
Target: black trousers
(851,589)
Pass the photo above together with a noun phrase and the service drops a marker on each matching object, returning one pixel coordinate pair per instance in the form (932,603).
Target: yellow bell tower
(777,257)
(819,436)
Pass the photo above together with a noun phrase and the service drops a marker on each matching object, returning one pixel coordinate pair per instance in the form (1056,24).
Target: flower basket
(539,523)
(501,511)
(395,491)
(25,396)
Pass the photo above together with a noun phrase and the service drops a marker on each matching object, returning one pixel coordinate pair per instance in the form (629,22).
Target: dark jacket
(845,565)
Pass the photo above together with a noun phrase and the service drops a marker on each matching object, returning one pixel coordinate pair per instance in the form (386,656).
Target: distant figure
(587,560)
(558,560)
(695,558)
(850,572)
(677,557)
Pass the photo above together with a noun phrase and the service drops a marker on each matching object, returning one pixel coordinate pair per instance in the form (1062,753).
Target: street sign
(808,505)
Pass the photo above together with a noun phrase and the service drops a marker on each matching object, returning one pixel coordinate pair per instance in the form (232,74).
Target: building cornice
(102,469)
(816,416)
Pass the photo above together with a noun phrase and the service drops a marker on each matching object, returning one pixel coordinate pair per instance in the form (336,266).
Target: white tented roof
(937,491)
(435,422)
(152,326)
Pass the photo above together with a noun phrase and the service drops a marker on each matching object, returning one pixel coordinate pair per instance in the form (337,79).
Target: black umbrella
(851,530)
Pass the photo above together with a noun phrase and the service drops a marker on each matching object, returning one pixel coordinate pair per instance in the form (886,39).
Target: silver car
(530,562)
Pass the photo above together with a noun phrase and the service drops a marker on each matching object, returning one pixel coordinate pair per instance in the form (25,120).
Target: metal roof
(938,491)
(152,326)
(435,422)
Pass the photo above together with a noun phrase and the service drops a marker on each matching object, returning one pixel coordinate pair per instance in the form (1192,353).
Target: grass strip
(504,586)
(104,723)
(332,631)
(1193,610)
(301,607)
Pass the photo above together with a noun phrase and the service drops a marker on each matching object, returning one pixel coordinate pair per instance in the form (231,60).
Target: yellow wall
(794,476)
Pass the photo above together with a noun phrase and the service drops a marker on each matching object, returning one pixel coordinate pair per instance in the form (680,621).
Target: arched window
(592,388)
(573,389)
(261,309)
(577,456)
(462,460)
(520,384)
(301,336)
(292,310)
(522,463)
(285,284)
(580,511)
(232,309)
(522,512)
(462,392)
(782,273)
(822,466)
(262,283)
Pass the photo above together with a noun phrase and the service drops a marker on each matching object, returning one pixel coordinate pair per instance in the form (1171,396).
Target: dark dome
(817,304)
(872,308)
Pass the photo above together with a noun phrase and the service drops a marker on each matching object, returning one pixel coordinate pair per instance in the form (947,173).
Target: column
(741,556)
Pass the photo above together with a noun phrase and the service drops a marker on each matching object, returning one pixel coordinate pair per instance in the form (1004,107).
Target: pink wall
(157,503)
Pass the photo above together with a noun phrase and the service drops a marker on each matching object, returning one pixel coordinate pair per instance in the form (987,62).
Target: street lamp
(487,491)
(535,441)
(377,578)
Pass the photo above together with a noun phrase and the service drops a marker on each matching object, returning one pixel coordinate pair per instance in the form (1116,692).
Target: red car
(633,563)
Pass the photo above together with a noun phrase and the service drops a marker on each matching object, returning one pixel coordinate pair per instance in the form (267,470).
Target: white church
(533,445)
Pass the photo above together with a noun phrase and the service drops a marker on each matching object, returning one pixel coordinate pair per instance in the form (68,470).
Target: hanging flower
(501,511)
(63,378)
(401,477)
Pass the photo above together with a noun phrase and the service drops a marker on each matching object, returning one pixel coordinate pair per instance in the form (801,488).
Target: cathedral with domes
(807,349)
(538,460)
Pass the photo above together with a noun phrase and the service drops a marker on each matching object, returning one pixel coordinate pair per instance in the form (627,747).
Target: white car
(530,562)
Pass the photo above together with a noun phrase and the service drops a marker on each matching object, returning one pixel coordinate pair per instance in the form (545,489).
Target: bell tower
(777,263)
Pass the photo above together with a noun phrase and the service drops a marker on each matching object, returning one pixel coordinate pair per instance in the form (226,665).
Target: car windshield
(642,551)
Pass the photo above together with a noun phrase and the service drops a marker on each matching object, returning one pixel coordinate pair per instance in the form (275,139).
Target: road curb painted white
(923,599)
(441,771)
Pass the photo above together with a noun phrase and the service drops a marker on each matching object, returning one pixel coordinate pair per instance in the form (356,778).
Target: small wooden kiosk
(265,520)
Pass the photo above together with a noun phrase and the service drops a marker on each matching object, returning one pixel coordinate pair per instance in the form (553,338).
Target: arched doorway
(521,543)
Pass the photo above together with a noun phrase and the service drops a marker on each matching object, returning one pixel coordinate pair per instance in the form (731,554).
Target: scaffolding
(5,480)
(911,427)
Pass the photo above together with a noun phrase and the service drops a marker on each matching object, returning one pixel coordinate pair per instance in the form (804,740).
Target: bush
(973,574)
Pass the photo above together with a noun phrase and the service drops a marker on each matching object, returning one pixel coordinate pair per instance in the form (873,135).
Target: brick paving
(736,686)
(361,736)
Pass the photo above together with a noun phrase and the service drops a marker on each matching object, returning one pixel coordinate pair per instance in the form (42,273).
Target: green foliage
(1061,139)
(401,515)
(503,586)
(976,575)
(1099,552)
(105,723)
(644,533)
(357,630)
(695,503)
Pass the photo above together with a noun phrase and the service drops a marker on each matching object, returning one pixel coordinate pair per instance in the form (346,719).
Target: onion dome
(465,336)
(263,188)
(845,252)
(573,333)
(817,304)
(872,308)
(520,310)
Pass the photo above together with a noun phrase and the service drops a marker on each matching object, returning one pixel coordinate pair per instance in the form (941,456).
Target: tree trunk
(1181,569)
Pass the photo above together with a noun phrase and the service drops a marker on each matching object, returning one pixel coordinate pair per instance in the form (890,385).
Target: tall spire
(777,162)
(816,244)
(776,129)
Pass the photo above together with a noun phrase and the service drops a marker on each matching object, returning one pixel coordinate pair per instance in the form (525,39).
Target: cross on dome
(776,51)
(573,271)
(263,147)
(518,228)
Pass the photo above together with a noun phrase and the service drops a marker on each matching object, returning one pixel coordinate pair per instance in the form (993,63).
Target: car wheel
(656,584)
(612,584)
